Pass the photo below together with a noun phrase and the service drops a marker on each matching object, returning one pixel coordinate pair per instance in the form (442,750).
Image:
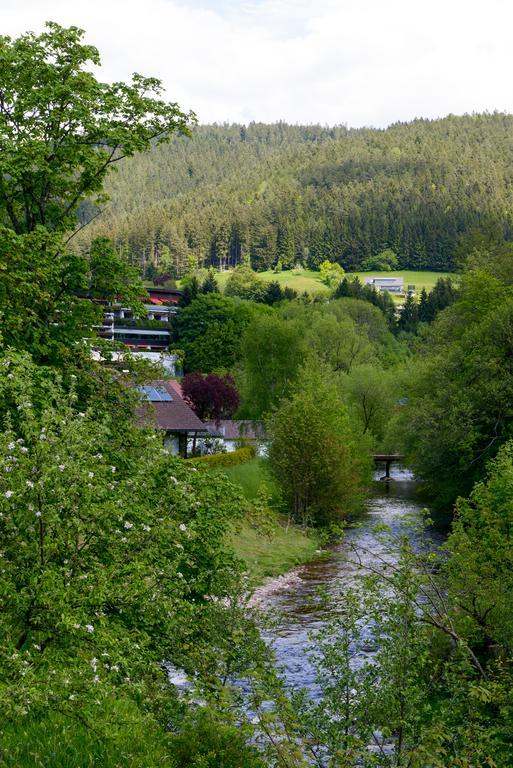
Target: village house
(389,284)
(163,407)
(147,336)
(231,434)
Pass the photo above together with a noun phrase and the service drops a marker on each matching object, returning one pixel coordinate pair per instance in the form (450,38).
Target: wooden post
(387,469)
(182,444)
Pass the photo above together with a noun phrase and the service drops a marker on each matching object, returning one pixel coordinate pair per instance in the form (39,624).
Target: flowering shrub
(104,563)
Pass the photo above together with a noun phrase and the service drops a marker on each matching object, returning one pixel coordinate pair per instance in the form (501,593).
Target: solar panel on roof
(162,394)
(155,394)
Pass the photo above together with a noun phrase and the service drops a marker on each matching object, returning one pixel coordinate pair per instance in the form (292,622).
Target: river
(294,600)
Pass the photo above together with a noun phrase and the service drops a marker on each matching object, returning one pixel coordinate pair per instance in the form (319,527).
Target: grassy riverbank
(284,547)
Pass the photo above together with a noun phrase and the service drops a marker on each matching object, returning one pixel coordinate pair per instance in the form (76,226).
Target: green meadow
(302,280)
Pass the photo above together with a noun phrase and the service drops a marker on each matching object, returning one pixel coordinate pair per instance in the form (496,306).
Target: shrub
(240,456)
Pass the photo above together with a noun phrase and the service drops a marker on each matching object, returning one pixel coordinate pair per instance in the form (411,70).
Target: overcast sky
(358,62)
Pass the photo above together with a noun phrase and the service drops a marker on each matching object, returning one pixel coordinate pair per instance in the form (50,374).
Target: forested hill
(307,193)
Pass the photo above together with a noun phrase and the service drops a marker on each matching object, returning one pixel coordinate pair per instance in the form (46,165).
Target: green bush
(207,742)
(240,456)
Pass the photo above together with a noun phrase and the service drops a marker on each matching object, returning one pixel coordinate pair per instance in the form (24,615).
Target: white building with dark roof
(389,284)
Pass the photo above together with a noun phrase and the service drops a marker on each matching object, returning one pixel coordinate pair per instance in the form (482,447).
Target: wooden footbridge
(387,459)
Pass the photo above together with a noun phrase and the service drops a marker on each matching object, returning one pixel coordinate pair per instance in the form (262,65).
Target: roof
(173,415)
(231,429)
(387,280)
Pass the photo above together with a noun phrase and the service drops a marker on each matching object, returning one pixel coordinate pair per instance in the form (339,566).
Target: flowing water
(294,600)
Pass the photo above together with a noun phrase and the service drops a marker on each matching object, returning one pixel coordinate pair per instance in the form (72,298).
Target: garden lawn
(287,546)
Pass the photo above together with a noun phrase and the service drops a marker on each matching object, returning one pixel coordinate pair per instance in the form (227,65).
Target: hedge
(240,456)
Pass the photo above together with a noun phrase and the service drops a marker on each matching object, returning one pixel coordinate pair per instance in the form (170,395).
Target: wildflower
(29,483)
(89,627)
(115,668)
(71,697)
(8,494)
(99,455)
(96,679)
(182,527)
(11,446)
(128,525)
(91,474)
(94,663)
(42,436)
(180,575)
(113,469)
(24,449)
(81,414)
(174,480)
(146,528)
(38,513)
(76,626)
(62,467)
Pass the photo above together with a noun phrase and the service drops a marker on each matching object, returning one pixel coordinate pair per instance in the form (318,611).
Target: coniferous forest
(304,194)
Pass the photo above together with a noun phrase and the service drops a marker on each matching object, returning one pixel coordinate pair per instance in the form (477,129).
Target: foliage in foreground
(112,560)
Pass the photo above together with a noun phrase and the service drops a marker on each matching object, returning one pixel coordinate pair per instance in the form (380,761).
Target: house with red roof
(163,408)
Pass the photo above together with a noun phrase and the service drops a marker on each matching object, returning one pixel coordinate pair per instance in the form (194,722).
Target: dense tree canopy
(61,130)
(280,194)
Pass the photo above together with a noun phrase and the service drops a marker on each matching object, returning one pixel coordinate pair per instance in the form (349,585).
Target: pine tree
(210,283)
(409,317)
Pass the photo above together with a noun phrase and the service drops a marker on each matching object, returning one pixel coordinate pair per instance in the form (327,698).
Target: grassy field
(250,477)
(306,280)
(268,555)
(300,280)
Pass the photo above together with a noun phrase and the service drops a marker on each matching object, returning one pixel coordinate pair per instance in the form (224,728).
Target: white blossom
(182,527)
(62,467)
(113,469)
(91,474)
(180,575)
(11,446)
(89,627)
(24,449)
(128,525)
(8,494)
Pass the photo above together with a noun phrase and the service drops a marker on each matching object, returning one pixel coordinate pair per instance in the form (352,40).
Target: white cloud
(359,62)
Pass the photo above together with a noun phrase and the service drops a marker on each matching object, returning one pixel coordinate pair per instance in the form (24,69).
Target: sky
(352,62)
